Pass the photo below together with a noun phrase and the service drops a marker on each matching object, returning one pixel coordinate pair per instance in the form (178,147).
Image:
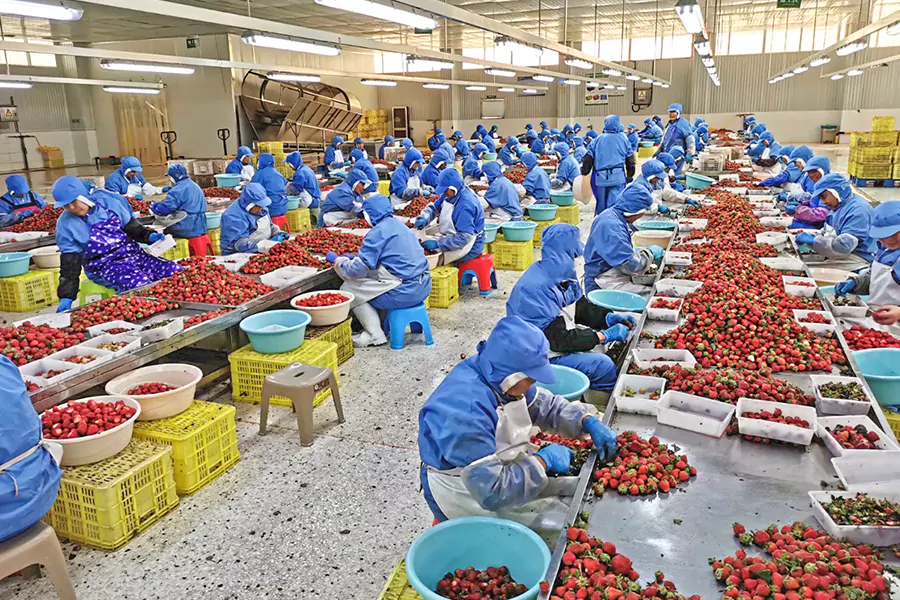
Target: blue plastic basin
(698,182)
(519,231)
(566,198)
(276,331)
(617,300)
(667,225)
(228,180)
(293,202)
(489,156)
(479,542)
(490,232)
(542,212)
(570,384)
(647,144)
(881,368)
(213,220)
(14,263)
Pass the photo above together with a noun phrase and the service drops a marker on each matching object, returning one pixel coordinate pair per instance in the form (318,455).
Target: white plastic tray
(820,329)
(80,350)
(869,470)
(638,404)
(133,342)
(286,276)
(644,356)
(783,263)
(679,259)
(772,238)
(58,320)
(776,431)
(857,312)
(730,177)
(883,444)
(663,314)
(101,329)
(161,333)
(677,287)
(233,262)
(776,221)
(761,204)
(29,372)
(876,536)
(740,191)
(836,406)
(159,248)
(766,212)
(798,290)
(759,192)
(692,224)
(25,236)
(702,415)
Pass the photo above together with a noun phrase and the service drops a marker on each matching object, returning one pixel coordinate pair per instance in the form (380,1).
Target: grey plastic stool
(37,546)
(301,383)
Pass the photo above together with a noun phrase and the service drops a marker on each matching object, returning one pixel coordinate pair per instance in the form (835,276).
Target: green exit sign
(788,3)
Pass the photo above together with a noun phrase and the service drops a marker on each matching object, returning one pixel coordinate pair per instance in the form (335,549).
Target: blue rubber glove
(689,157)
(27,213)
(427,190)
(782,197)
(331,257)
(280,236)
(806,238)
(138,197)
(557,457)
(692,202)
(604,438)
(166,189)
(616,333)
(844,288)
(421,223)
(430,244)
(410,193)
(657,251)
(663,209)
(615,319)
(790,208)
(64,305)
(155,237)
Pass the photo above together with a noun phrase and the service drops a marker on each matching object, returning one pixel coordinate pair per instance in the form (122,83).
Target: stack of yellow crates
(874,154)
(373,125)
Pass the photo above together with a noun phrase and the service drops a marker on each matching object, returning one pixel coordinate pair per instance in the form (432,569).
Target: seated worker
(462,220)
(668,193)
(543,297)
(501,195)
(480,132)
(880,281)
(334,156)
(489,143)
(648,124)
(98,232)
(432,171)
(633,138)
(472,164)
(590,135)
(242,165)
(567,169)
(303,183)
(475,432)
(276,189)
(183,211)
(405,181)
(461,146)
(494,132)
(579,149)
(406,143)
(534,143)
(389,272)
(778,159)
(789,179)
(19,202)
(128,181)
(361,163)
(809,212)
(343,204)
(359,144)
(759,150)
(677,154)
(509,153)
(246,222)
(536,183)
(702,134)
(388,143)
(434,142)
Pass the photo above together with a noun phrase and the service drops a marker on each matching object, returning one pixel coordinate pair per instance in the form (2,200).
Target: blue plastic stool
(480,268)
(86,288)
(416,317)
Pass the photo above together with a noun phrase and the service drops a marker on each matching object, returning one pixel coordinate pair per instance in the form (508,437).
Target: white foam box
(643,358)
(791,287)
(102,328)
(856,312)
(664,314)
(233,262)
(820,329)
(132,343)
(782,432)
(740,191)
(867,471)
(30,371)
(776,221)
(761,204)
(57,320)
(884,443)
(685,224)
(639,403)
(101,356)
(161,333)
(286,276)
(838,406)
(679,259)
(677,287)
(858,534)
(693,413)
(783,263)
(759,192)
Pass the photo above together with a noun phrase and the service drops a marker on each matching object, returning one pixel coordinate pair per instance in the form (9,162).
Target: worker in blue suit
(789,179)
(679,133)
(276,189)
(536,183)
(534,142)
(578,149)
(246,223)
(334,156)
(461,220)
(509,153)
(881,281)
(389,272)
(461,146)
(128,181)
(590,135)
(848,225)
(360,144)
(388,143)
(434,142)
(19,202)
(360,162)
(406,143)
(605,163)
(242,164)
(343,204)
(648,123)
(472,164)
(475,429)
(567,168)
(304,183)
(439,161)
(184,206)
(501,196)
(406,181)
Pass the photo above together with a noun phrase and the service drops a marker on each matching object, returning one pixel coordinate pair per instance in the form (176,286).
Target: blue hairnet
(437,157)
(562,149)
(479,149)
(406,143)
(612,124)
(244,151)
(378,207)
(358,140)
(449,178)
(357,154)
(177,172)
(676,107)
(578,141)
(254,193)
(560,245)
(531,135)
(818,162)
(836,182)
(530,160)
(786,151)
(676,152)
(412,155)
(17,184)
(653,168)
(265,160)
(295,159)
(667,159)
(515,346)
(388,139)
(803,153)
(66,190)
(767,136)
(337,140)
(357,176)
(492,170)
(131,163)
(632,126)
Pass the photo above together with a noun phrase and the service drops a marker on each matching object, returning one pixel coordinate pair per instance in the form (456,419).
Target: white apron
(884,290)
(793,189)
(545,514)
(338,156)
(447,228)
(496,215)
(134,189)
(263,230)
(375,283)
(247,172)
(614,279)
(54,448)
(338,217)
(161,222)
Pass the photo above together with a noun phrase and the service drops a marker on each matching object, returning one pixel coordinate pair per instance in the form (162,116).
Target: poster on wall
(595,98)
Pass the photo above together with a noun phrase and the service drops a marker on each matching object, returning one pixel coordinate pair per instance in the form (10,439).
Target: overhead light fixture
(819,61)
(854,72)
(578,63)
(657,83)
(852,47)
(708,61)
(277,42)
(124,65)
(665,86)
(646,80)
(378,82)
(836,76)
(499,72)
(529,91)
(476,88)
(801,69)
(506,90)
(414,62)
(544,78)
(878,66)
(611,72)
(436,86)
(787,75)
(385,12)
(511,45)
(701,45)
(130,90)
(58,10)
(15,85)
(893,29)
(690,15)
(572,81)
(711,70)
(622,88)
(591,85)
(633,77)
(771,81)
(279,76)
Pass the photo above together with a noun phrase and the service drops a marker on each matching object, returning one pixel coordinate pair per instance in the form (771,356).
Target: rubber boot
(372,334)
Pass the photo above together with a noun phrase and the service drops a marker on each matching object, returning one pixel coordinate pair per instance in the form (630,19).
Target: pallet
(884,183)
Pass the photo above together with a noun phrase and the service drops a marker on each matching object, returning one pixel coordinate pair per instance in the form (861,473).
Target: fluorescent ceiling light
(622,88)
(854,72)
(384,12)
(124,65)
(283,43)
(787,75)
(428,63)
(277,76)
(711,70)
(511,45)
(436,86)
(544,78)
(818,62)
(378,82)
(58,10)
(647,80)
(609,86)
(852,47)
(702,47)
(578,63)
(690,15)
(771,81)
(572,81)
(633,77)
(506,90)
(665,86)
(529,91)
(15,85)
(591,85)
(801,69)
(893,29)
(708,61)
(657,83)
(836,76)
(499,73)
(611,72)
(476,88)
(130,90)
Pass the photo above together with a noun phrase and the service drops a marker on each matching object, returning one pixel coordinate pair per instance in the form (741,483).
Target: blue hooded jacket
(330,151)
(793,173)
(633,137)
(274,182)
(343,197)
(388,140)
(19,195)
(462,148)
(235,166)
(580,148)
(304,178)
(501,192)
(852,217)
(609,152)
(470,166)
(237,222)
(361,163)
(400,178)
(72,231)
(187,196)
(438,163)
(434,142)
(678,133)
(406,143)
(537,182)
(509,153)
(468,216)
(568,169)
(116,182)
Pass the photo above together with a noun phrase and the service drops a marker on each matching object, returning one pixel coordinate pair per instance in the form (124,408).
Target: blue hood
(648,121)
(295,160)
(412,155)
(17,184)
(358,140)
(786,151)
(561,149)
(254,193)
(406,143)
(531,135)
(479,150)
(578,141)
(676,107)
(885,220)
(244,151)
(758,129)
(356,154)
(515,346)
(265,161)
(492,170)
(560,246)
(767,136)
(836,182)
(337,141)
(355,176)
(512,143)
(177,172)
(676,153)
(667,159)
(653,168)
(530,160)
(612,124)
(388,139)
(131,163)
(803,153)
(437,158)
(819,162)
(447,179)
(378,207)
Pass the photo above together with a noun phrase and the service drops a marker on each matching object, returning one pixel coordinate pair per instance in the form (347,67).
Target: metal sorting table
(225,324)
(737,481)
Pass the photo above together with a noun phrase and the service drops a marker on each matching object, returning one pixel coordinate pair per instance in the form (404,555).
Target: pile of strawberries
(863,338)
(581,449)
(221,192)
(549,162)
(383,163)
(28,342)
(492,583)
(774,416)
(666,303)
(41,220)
(119,308)
(204,317)
(516,174)
(83,419)
(209,283)
(643,467)
(323,241)
(283,255)
(320,300)
(855,438)
(152,387)
(357,224)
(802,562)
(139,206)
(814,317)
(414,208)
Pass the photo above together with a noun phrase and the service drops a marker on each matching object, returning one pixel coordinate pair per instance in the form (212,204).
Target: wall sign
(595,98)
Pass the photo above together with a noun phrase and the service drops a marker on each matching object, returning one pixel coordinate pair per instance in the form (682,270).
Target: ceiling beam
(79,81)
(864,66)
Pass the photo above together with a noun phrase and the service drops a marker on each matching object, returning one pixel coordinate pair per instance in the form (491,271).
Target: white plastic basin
(94,448)
(166,404)
(325,315)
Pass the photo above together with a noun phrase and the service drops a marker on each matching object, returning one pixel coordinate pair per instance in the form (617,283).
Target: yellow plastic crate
(893,420)
(869,171)
(384,187)
(895,155)
(444,287)
(270,147)
(882,123)
(105,504)
(874,154)
(29,291)
(215,238)
(249,369)
(340,334)
(398,587)
(646,152)
(512,256)
(180,250)
(203,440)
(539,230)
(873,138)
(896,174)
(298,220)
(568,214)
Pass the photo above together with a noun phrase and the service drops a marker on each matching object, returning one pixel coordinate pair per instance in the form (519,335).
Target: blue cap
(653,168)
(17,184)
(66,190)
(255,193)
(131,163)
(885,220)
